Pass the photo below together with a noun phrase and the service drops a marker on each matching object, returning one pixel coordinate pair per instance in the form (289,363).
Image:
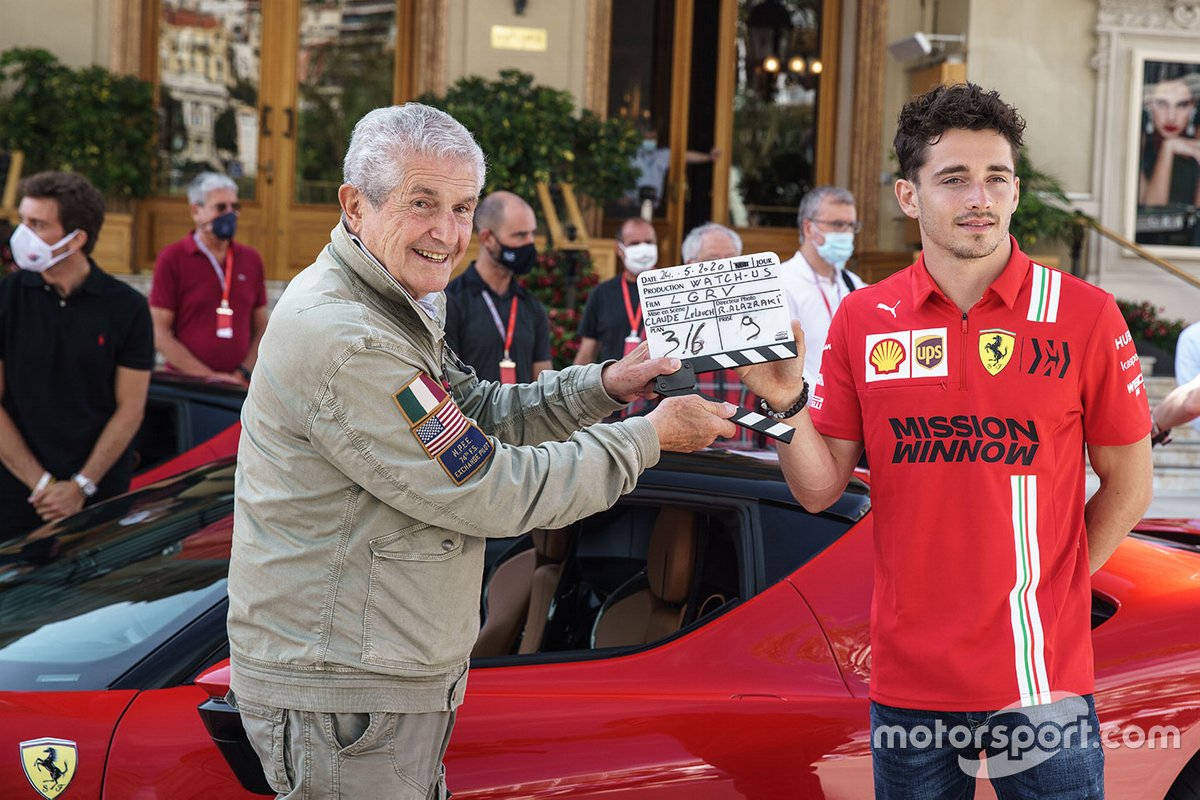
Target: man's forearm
(1109,518)
(1126,486)
(114,438)
(15,453)
(179,357)
(814,474)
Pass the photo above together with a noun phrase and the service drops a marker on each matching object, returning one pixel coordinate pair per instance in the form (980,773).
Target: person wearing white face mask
(76,349)
(815,278)
(612,319)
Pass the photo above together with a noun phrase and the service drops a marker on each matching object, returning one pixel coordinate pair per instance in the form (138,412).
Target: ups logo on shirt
(1049,358)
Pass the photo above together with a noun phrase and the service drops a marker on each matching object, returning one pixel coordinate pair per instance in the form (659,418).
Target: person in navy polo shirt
(208,297)
(493,322)
(975,379)
(76,349)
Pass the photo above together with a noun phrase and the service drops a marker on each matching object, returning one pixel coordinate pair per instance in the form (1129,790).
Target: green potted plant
(1044,216)
(84,120)
(1154,336)
(532,134)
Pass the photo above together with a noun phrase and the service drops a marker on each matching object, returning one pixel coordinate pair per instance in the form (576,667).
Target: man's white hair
(693,244)
(206,182)
(386,138)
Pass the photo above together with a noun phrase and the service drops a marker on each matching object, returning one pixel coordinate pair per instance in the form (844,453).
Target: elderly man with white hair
(373,466)
(208,297)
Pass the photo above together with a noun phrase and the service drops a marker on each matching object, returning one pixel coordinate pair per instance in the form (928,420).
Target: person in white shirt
(1187,373)
(815,278)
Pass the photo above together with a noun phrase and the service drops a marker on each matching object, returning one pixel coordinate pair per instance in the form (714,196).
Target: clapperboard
(718,315)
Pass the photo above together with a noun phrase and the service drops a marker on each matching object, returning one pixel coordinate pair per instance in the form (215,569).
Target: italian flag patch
(420,398)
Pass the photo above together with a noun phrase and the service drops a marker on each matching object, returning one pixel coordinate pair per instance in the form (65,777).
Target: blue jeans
(1047,752)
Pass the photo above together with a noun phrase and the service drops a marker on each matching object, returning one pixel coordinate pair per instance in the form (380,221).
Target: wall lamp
(922,44)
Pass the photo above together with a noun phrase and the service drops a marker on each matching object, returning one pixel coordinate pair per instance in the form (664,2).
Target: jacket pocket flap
(419,542)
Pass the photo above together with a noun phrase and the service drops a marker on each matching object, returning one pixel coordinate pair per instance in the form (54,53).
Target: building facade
(789,94)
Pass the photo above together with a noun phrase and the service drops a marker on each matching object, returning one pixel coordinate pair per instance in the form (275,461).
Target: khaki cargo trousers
(308,755)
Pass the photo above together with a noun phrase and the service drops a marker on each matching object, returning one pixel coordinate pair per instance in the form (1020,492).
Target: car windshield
(85,600)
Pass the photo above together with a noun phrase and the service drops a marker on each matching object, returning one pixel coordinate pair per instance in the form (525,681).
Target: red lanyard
(512,320)
(635,320)
(228,276)
(820,291)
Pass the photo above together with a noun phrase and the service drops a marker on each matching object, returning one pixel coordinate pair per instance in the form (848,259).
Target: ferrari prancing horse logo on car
(49,765)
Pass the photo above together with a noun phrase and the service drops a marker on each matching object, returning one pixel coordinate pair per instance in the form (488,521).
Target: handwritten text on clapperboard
(715,306)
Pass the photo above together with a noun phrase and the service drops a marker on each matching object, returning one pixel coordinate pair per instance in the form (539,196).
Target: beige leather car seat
(651,605)
(518,595)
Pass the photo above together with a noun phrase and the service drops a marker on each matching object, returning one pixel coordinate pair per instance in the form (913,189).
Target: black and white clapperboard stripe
(741,358)
(756,421)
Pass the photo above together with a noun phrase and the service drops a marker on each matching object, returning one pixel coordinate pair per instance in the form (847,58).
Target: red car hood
(83,721)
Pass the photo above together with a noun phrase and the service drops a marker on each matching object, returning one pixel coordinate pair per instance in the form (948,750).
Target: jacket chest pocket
(422,607)
(418,543)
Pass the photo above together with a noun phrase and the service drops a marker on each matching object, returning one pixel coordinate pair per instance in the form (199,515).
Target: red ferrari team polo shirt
(974,427)
(186,283)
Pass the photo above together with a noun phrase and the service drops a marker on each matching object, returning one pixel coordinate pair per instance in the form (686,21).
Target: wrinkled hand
(778,382)
(634,375)
(59,499)
(690,422)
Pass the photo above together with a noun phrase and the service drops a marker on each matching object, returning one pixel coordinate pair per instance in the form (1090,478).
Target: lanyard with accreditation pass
(224,312)
(635,319)
(508,367)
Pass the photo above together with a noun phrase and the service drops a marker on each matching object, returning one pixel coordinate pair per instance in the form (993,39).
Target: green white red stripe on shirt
(1043,299)
(1029,641)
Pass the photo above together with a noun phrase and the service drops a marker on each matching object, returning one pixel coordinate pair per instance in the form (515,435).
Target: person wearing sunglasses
(815,278)
(208,297)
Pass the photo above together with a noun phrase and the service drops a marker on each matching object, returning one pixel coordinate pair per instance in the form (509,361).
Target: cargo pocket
(266,728)
(417,579)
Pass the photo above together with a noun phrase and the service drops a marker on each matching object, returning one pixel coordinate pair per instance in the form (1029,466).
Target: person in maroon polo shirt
(208,298)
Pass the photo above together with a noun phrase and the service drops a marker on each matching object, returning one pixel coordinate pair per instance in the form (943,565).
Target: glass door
(268,94)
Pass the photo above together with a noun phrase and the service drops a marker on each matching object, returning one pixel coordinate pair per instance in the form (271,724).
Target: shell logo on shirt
(902,355)
(886,356)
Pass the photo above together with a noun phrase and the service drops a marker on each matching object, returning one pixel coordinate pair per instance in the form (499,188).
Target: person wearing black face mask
(208,298)
(492,322)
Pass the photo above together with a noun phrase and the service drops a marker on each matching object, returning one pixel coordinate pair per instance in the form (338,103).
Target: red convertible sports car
(738,667)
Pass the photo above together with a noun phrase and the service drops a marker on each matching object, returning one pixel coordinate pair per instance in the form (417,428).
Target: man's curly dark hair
(80,204)
(963,106)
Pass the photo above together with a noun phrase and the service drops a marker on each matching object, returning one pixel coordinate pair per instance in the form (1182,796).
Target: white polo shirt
(812,299)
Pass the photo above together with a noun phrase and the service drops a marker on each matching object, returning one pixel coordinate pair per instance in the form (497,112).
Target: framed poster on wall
(1163,193)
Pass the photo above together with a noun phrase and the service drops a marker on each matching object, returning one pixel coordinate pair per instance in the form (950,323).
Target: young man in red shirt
(974,379)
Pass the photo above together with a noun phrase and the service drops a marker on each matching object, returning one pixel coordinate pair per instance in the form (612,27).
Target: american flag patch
(441,429)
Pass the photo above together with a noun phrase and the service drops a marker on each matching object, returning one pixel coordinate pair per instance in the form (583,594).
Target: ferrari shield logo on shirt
(49,765)
(906,354)
(995,349)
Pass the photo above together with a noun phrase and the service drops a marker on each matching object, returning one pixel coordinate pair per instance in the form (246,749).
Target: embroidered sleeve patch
(443,431)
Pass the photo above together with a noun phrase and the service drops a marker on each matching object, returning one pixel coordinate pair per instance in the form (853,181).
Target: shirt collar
(194,248)
(475,282)
(1006,286)
(92,284)
(378,276)
(806,272)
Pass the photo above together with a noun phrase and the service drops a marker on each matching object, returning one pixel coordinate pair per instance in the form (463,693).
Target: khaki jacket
(362,505)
